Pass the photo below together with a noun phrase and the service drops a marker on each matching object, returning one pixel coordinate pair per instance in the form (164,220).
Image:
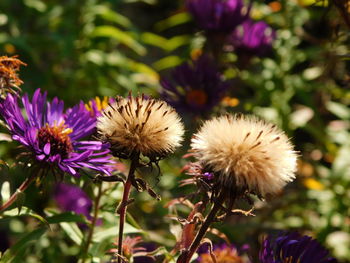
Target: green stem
(19,190)
(93,223)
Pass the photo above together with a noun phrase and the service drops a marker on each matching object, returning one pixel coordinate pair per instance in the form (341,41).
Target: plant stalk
(124,203)
(186,256)
(20,189)
(93,223)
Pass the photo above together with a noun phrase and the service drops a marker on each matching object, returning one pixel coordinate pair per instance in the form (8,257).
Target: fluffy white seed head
(138,125)
(246,154)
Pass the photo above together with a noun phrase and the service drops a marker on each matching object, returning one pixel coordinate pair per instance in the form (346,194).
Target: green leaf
(175,20)
(66,217)
(338,110)
(73,232)
(167,62)
(178,41)
(163,43)
(24,211)
(112,232)
(154,40)
(21,197)
(122,36)
(36,4)
(25,241)
(112,16)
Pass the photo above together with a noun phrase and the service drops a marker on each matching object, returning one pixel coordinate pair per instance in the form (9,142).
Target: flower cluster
(195,88)
(53,136)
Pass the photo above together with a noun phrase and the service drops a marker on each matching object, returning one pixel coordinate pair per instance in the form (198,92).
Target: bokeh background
(77,50)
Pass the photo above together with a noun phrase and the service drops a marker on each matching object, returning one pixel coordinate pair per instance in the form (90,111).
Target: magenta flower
(217,15)
(253,38)
(53,137)
(294,248)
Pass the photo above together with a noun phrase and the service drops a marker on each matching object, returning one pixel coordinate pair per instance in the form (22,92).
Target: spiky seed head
(245,154)
(139,125)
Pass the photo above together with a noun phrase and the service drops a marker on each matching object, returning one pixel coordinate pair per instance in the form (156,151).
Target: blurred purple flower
(52,136)
(217,15)
(196,87)
(253,38)
(72,198)
(293,248)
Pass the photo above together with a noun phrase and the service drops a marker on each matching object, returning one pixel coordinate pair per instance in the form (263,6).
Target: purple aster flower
(72,198)
(294,248)
(53,136)
(253,38)
(217,15)
(196,87)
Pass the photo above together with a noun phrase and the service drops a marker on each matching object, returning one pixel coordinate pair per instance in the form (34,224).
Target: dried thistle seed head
(138,125)
(245,154)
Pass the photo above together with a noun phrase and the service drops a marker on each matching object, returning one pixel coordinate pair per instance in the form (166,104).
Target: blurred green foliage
(80,49)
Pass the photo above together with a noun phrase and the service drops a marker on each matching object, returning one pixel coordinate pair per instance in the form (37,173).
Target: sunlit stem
(186,256)
(124,203)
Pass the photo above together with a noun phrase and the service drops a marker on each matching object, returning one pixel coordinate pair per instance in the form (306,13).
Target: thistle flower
(223,254)
(52,136)
(140,126)
(252,38)
(217,15)
(196,87)
(72,198)
(8,73)
(245,154)
(293,248)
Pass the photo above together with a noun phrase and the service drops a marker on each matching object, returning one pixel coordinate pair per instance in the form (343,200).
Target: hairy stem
(93,223)
(19,190)
(124,203)
(186,256)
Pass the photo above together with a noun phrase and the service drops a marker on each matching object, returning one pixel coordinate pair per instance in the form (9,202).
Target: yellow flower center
(58,137)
